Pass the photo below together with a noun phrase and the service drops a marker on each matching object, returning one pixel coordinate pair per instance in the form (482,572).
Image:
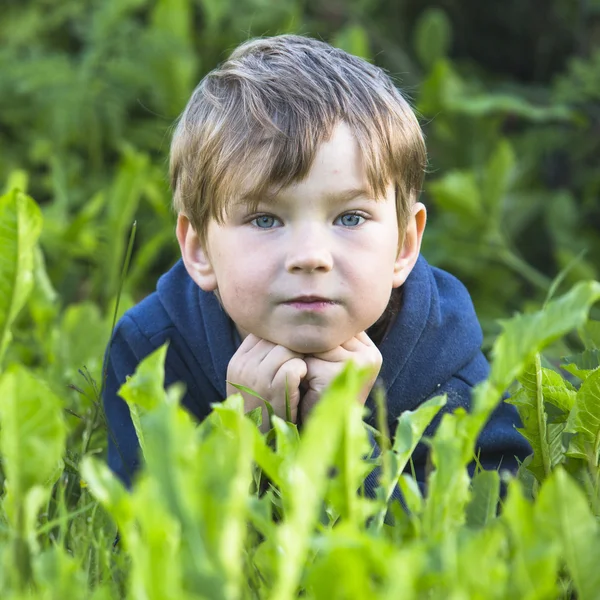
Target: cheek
(243,284)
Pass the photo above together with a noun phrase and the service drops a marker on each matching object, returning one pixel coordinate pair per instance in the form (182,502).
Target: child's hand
(263,367)
(323,367)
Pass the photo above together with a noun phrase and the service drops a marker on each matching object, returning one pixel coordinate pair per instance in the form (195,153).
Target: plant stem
(517,264)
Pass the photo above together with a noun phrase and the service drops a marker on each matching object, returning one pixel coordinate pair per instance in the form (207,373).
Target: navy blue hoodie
(432,347)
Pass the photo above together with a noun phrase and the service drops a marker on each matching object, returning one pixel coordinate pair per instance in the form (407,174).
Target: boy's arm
(500,445)
(127,348)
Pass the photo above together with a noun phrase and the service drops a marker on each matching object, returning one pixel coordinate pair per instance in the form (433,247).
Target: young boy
(296,170)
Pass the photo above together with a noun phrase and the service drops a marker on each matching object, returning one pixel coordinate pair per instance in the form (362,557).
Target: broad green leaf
(563,510)
(20,228)
(525,335)
(457,192)
(17,179)
(173,20)
(287,438)
(581,365)
(360,562)
(485,493)
(353,39)
(108,490)
(497,178)
(336,412)
(270,462)
(558,391)
(174,474)
(155,544)
(448,485)
(433,34)
(225,489)
(32,435)
(411,493)
(584,420)
(58,573)
(411,425)
(146,386)
(534,557)
(530,404)
(144,390)
(83,335)
(590,334)
(480,105)
(478,568)
(443,88)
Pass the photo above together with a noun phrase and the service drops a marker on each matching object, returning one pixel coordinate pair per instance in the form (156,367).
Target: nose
(309,251)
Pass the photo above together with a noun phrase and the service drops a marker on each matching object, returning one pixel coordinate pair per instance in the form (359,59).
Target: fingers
(291,373)
(265,368)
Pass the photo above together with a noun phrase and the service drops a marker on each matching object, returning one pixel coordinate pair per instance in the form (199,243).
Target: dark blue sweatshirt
(432,347)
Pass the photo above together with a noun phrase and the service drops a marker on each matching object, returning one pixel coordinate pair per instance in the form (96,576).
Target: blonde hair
(254,124)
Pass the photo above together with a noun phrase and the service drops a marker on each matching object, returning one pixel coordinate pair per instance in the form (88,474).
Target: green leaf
(411,425)
(485,493)
(535,551)
(525,335)
(146,386)
(353,39)
(590,334)
(448,485)
(530,404)
(337,413)
(20,228)
(433,36)
(457,192)
(480,105)
(558,391)
(584,420)
(497,179)
(107,489)
(32,436)
(564,511)
(582,364)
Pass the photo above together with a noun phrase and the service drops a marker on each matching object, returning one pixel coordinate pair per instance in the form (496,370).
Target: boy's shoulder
(198,330)
(176,303)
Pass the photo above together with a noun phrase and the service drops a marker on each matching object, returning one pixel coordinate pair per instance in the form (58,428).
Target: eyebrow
(331,198)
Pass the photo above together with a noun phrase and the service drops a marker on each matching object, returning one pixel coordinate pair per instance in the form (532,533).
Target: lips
(309,300)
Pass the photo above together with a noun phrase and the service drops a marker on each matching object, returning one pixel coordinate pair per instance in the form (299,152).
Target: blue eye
(352,219)
(264,221)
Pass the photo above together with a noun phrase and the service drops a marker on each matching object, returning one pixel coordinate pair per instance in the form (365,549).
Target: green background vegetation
(509,98)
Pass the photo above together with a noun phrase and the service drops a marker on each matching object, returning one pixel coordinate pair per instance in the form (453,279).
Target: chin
(309,344)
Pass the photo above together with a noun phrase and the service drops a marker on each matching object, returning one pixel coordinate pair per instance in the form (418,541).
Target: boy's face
(314,267)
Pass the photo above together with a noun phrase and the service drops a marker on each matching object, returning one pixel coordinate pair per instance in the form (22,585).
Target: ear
(195,257)
(409,251)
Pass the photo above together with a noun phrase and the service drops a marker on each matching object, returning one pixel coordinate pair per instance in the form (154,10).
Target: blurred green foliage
(90,91)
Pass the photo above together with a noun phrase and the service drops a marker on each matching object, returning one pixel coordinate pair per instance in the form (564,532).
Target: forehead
(335,173)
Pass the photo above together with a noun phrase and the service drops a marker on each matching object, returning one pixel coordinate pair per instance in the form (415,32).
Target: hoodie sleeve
(500,445)
(127,347)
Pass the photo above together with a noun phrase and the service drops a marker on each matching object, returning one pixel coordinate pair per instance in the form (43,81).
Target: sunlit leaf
(534,558)
(566,514)
(433,33)
(485,493)
(32,434)
(20,227)
(526,334)
(584,420)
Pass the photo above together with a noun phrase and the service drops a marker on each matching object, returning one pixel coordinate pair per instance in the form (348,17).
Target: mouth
(310,303)
(310,300)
